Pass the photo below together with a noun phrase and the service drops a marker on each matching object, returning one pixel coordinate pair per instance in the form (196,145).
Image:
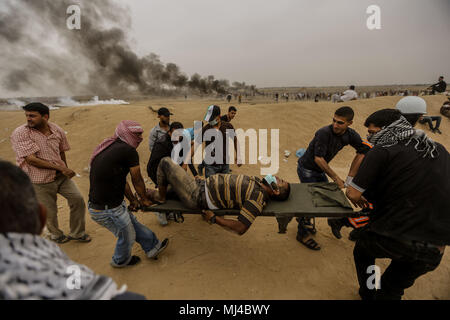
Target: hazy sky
(297,42)
(262,42)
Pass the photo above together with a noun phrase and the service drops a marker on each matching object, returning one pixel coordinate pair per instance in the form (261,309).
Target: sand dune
(206,262)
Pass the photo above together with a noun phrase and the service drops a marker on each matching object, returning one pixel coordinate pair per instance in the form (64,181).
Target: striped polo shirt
(231,191)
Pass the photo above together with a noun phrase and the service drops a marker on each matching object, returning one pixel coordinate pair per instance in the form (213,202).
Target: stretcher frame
(299,204)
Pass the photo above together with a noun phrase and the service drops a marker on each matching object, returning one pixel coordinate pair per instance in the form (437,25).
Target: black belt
(101,207)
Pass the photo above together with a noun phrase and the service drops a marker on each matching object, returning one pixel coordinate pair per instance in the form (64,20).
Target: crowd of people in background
(310,94)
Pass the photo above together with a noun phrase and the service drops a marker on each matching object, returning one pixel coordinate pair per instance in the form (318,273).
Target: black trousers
(409,262)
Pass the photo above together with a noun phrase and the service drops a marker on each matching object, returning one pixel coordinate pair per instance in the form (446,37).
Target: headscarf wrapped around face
(402,130)
(128,131)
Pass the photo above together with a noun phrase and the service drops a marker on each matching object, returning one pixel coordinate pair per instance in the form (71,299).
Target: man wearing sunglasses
(313,165)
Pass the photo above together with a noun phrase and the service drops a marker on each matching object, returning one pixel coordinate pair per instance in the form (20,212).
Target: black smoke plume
(41,56)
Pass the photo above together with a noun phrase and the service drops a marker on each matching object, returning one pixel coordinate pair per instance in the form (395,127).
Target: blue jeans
(124,225)
(212,169)
(430,120)
(307,176)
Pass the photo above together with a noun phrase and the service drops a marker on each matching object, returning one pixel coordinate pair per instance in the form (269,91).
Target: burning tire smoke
(41,56)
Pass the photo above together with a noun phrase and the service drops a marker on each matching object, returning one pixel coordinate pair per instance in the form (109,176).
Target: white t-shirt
(211,206)
(349,95)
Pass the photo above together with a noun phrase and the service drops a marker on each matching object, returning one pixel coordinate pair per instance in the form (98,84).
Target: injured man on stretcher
(222,191)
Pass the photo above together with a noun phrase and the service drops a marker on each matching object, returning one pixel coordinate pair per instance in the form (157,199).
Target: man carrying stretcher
(221,191)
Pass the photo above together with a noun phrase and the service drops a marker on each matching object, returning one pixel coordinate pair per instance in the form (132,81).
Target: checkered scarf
(33,268)
(402,130)
(126,131)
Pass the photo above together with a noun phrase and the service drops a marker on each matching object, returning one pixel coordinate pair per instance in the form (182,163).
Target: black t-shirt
(411,194)
(327,144)
(224,118)
(440,86)
(162,148)
(109,170)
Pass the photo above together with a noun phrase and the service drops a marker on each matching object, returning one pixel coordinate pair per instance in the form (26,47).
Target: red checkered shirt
(27,141)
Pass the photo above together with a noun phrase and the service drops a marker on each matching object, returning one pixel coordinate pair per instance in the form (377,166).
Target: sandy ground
(207,262)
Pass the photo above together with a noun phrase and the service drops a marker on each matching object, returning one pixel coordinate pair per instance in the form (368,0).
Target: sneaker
(438,131)
(133,261)
(336,226)
(84,238)
(162,218)
(153,254)
(60,239)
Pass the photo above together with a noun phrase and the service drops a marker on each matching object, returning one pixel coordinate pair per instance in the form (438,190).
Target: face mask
(271,181)
(370,137)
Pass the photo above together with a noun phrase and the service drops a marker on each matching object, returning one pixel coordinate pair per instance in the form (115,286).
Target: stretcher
(299,204)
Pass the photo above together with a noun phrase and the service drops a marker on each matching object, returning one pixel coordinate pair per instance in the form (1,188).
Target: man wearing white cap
(412,108)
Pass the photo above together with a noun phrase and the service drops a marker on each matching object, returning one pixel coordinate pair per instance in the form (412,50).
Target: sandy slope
(206,262)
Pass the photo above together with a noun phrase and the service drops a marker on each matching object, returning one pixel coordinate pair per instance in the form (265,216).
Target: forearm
(129,193)
(139,186)
(231,225)
(326,168)
(356,163)
(43,164)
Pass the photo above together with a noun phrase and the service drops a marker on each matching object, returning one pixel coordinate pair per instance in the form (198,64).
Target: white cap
(412,105)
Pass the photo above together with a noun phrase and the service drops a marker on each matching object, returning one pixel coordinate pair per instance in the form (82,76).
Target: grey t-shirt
(156,133)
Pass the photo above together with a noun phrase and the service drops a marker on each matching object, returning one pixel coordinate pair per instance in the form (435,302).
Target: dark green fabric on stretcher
(328,195)
(302,202)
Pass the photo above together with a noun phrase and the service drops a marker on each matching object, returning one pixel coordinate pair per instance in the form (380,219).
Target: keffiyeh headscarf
(33,268)
(402,130)
(127,131)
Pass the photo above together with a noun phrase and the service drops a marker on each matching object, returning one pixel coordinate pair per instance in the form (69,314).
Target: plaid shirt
(27,141)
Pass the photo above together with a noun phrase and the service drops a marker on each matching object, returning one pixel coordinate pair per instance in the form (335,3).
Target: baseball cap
(212,113)
(164,112)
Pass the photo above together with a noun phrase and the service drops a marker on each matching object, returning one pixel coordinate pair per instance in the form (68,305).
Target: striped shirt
(27,141)
(230,191)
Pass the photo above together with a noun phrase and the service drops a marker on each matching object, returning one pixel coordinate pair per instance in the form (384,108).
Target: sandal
(310,244)
(84,238)
(311,229)
(61,239)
